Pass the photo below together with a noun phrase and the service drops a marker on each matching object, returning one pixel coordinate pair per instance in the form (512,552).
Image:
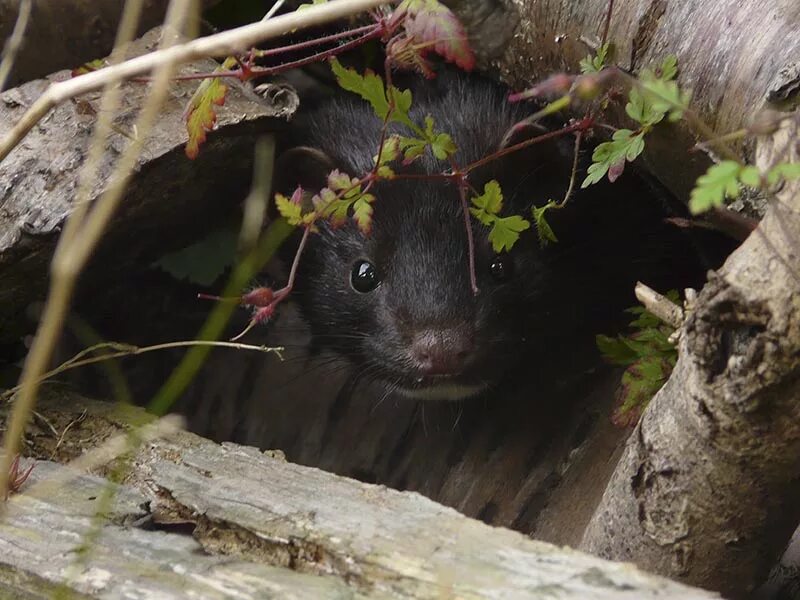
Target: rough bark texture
(68,33)
(707,489)
(736,57)
(227,521)
(39,179)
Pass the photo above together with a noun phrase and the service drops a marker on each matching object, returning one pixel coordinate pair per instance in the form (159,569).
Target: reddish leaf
(200,114)
(431,24)
(615,170)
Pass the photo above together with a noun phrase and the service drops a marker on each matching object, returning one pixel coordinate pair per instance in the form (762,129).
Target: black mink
(398,304)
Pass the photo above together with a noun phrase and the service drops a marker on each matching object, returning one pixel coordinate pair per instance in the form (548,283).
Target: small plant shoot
(653,96)
(504,231)
(648,356)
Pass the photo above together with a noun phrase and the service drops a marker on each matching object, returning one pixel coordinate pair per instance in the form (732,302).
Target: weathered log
(39,179)
(67,33)
(707,489)
(261,527)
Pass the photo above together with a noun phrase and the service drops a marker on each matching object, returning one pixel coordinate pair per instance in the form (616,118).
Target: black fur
(542,321)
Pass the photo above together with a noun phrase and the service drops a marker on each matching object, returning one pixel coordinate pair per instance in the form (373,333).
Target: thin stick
(14,42)
(661,306)
(123,350)
(607,24)
(225,43)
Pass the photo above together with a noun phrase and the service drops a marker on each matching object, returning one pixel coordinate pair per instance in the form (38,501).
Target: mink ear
(304,166)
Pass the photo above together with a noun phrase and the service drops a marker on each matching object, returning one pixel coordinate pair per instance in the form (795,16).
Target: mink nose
(441,351)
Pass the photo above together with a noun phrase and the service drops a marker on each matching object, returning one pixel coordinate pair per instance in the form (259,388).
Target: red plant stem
(582,125)
(296,261)
(261,71)
(376,33)
(317,41)
(607,25)
(390,99)
(462,192)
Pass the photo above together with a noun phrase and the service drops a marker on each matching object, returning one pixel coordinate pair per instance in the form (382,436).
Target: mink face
(398,303)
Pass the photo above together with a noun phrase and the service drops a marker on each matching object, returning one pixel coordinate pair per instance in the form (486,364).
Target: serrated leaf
(291,211)
(203,262)
(614,350)
(362,212)
(505,232)
(412,148)
(649,358)
(669,68)
(711,189)
(594,64)
(200,114)
(443,146)
(431,24)
(389,152)
(491,200)
(543,229)
(640,108)
(610,157)
(369,86)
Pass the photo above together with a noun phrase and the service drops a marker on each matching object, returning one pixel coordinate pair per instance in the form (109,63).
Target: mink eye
(364,277)
(501,268)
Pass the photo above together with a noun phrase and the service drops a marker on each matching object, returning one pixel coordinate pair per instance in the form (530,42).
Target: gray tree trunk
(707,488)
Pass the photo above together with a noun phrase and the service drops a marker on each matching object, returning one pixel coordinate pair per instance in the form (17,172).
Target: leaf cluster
(654,96)
(724,180)
(648,357)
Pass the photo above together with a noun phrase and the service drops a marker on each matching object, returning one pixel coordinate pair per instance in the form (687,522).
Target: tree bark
(736,57)
(198,519)
(39,179)
(707,489)
(68,33)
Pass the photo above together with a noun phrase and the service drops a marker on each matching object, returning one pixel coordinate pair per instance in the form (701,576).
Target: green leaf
(614,350)
(624,145)
(489,204)
(649,357)
(203,262)
(443,146)
(543,229)
(719,182)
(785,171)
(669,68)
(750,176)
(640,108)
(594,64)
(666,97)
(505,232)
(369,86)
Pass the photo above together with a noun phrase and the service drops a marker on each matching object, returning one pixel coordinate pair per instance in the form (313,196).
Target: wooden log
(170,199)
(264,528)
